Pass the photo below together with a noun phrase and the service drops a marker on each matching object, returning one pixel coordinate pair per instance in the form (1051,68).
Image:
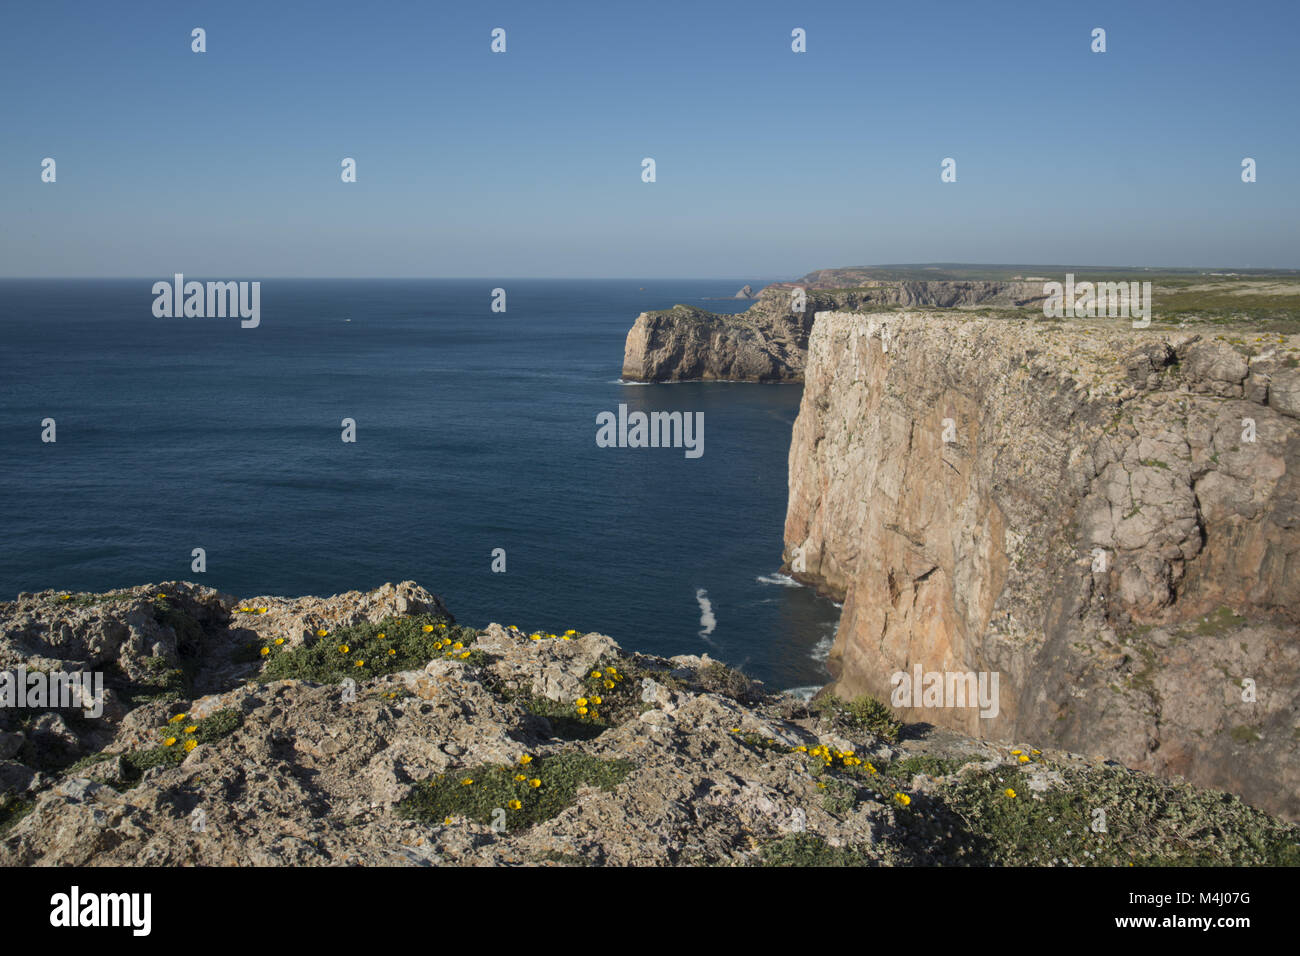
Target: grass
(498,793)
(863,714)
(369,649)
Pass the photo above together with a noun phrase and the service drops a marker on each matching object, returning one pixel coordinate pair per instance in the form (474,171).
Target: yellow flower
(464,654)
(321,632)
(534,637)
(467,781)
(391,652)
(902,799)
(381,635)
(520,776)
(265,651)
(597,674)
(1035,751)
(343,648)
(169,741)
(582,710)
(801,749)
(447,821)
(534,783)
(177,719)
(514,804)
(1016,753)
(1009,792)
(871,769)
(262,610)
(359,664)
(279,640)
(1023,759)
(609,685)
(191,728)
(190,745)
(525,759)
(595,700)
(581,702)
(427,628)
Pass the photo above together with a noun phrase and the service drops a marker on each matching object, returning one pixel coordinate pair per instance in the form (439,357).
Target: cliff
(1109,519)
(370,728)
(768,342)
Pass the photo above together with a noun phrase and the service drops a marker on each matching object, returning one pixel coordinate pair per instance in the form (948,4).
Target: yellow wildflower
(169,741)
(343,648)
(1009,792)
(514,804)
(191,728)
(525,759)
(534,783)
(902,799)
(467,781)
(427,628)
(279,640)
(190,745)
(265,651)
(321,632)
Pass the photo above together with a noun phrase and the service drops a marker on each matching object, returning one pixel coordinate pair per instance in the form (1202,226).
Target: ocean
(475,430)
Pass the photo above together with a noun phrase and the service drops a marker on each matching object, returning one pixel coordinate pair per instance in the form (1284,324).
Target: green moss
(404,645)
(494,787)
(1244,735)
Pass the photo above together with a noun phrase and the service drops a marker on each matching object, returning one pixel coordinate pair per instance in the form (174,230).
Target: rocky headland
(370,728)
(769,341)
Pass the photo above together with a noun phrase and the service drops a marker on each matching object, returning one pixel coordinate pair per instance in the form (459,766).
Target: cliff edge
(1106,518)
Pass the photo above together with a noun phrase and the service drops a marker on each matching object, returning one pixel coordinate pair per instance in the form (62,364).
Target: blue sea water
(475,431)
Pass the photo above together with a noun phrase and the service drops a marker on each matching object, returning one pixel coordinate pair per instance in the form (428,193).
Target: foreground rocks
(613,757)
(1107,518)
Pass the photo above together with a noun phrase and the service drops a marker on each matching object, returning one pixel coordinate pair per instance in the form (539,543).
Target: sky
(528,163)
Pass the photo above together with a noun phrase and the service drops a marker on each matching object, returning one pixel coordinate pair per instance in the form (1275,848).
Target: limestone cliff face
(769,341)
(1079,509)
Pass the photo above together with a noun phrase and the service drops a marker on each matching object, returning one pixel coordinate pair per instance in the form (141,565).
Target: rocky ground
(371,728)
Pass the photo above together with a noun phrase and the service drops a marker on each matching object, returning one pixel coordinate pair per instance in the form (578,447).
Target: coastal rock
(711,767)
(769,341)
(1078,509)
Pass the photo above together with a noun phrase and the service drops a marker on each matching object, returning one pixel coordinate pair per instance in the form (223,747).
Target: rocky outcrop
(769,341)
(368,728)
(1107,518)
(746,292)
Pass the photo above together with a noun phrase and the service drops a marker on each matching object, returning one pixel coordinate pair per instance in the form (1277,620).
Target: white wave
(782,579)
(707,621)
(804,693)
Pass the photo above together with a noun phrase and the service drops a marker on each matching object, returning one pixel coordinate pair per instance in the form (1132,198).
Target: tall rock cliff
(769,341)
(1107,518)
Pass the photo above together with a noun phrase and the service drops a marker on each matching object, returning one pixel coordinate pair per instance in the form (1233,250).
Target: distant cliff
(769,341)
(1108,518)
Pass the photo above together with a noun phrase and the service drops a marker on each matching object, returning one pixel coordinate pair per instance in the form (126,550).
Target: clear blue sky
(770,163)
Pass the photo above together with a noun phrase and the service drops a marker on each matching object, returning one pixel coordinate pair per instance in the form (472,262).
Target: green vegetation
(368,650)
(528,792)
(807,849)
(184,734)
(12,809)
(864,714)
